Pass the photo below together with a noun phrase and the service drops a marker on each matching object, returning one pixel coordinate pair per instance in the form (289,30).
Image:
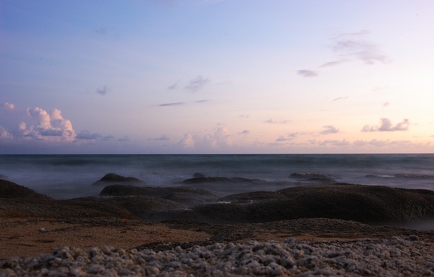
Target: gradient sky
(203,76)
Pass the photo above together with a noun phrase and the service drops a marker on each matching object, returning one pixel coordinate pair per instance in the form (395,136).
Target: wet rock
(250,197)
(111,178)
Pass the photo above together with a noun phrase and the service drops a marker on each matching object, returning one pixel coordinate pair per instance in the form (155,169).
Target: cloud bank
(387,126)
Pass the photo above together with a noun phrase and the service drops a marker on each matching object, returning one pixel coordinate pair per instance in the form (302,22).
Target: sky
(218,77)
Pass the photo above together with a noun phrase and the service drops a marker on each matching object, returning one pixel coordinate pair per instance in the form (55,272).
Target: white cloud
(49,127)
(387,126)
(8,106)
(4,134)
(221,138)
(271,121)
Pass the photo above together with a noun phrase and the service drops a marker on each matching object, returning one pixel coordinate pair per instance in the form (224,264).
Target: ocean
(71,176)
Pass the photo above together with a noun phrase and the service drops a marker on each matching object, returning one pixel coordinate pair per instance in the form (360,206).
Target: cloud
(333,63)
(329,129)
(163,137)
(172,104)
(307,73)
(125,138)
(271,121)
(386,104)
(340,98)
(221,138)
(387,126)
(4,134)
(182,103)
(282,138)
(335,143)
(103,91)
(174,86)
(244,132)
(86,135)
(369,53)
(8,106)
(197,83)
(49,127)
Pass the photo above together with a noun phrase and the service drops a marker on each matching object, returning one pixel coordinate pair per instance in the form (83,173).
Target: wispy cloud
(386,104)
(333,63)
(197,84)
(244,132)
(172,104)
(329,129)
(307,73)
(387,126)
(162,137)
(340,98)
(271,121)
(351,46)
(103,91)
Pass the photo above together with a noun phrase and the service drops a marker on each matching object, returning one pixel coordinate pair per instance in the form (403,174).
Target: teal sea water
(71,176)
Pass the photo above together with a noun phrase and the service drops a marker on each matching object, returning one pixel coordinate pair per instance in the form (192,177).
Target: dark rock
(367,204)
(11,190)
(219,180)
(306,176)
(198,175)
(185,195)
(250,197)
(111,178)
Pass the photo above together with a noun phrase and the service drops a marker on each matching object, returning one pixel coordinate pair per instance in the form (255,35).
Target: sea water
(71,176)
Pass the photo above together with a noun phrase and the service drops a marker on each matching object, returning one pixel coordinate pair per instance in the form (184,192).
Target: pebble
(374,257)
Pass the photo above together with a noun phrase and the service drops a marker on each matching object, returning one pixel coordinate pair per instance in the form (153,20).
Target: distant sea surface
(71,176)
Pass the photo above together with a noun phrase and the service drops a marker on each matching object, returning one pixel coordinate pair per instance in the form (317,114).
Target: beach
(308,224)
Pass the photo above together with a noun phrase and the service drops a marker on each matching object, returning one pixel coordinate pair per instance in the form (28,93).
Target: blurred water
(69,176)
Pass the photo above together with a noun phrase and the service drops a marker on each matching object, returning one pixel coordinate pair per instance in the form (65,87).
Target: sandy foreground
(24,237)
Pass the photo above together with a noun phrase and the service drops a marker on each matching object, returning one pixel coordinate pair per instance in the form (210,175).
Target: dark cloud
(125,138)
(329,129)
(387,126)
(86,135)
(307,73)
(244,132)
(197,83)
(172,104)
(103,91)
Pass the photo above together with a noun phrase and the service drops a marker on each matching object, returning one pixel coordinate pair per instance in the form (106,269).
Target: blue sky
(216,76)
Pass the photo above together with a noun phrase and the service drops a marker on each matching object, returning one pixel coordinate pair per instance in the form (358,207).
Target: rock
(198,180)
(312,177)
(180,194)
(11,190)
(112,178)
(367,204)
(198,175)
